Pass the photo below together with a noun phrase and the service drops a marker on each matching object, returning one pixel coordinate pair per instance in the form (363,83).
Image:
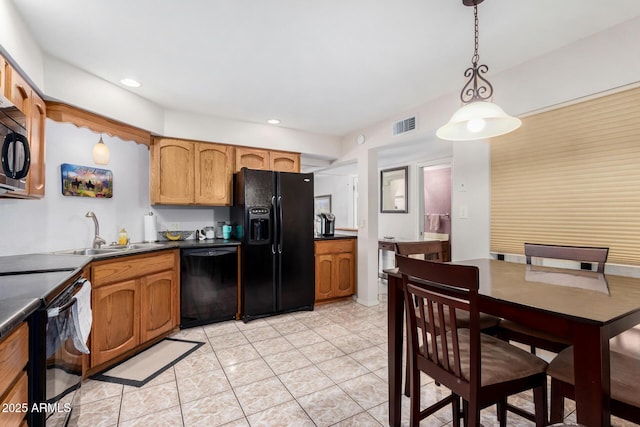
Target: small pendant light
(478,118)
(101,154)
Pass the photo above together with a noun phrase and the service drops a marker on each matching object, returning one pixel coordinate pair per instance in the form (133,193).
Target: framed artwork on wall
(85,181)
(394,189)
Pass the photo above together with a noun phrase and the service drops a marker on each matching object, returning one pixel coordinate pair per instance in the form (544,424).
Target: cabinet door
(3,70)
(36,177)
(19,90)
(344,274)
(158,298)
(324,276)
(252,158)
(285,162)
(213,174)
(172,164)
(116,316)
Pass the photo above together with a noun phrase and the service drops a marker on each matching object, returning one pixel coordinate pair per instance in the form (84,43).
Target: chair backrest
(572,253)
(439,290)
(431,250)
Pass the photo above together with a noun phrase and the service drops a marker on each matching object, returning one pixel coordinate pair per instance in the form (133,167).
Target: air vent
(405,125)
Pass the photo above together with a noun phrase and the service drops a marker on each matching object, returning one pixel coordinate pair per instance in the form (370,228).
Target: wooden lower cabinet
(135,299)
(14,356)
(158,304)
(335,268)
(116,319)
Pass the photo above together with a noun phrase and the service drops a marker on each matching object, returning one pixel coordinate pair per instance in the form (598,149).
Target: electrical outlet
(173,226)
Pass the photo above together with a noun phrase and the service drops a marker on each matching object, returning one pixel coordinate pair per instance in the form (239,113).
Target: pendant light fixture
(101,154)
(478,118)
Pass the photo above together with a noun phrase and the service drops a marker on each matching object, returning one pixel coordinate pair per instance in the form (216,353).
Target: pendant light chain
(477,87)
(476,57)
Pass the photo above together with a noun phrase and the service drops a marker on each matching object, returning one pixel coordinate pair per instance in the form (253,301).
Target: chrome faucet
(97,240)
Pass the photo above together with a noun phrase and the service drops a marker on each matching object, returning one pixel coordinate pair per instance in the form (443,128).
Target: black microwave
(15,154)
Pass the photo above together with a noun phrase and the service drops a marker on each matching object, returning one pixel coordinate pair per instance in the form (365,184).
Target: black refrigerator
(275,213)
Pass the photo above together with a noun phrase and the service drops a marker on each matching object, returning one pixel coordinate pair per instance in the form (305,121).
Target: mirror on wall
(394,190)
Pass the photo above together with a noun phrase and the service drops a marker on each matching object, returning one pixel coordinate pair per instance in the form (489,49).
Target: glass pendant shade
(478,120)
(101,154)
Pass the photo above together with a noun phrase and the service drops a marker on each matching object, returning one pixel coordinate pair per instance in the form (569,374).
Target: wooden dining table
(585,307)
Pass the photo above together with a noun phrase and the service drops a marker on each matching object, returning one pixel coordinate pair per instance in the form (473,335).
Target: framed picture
(85,181)
(394,188)
(322,204)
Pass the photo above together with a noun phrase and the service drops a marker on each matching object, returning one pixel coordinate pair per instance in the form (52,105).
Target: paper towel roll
(150,228)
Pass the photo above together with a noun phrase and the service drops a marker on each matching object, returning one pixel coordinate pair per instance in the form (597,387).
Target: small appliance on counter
(327,224)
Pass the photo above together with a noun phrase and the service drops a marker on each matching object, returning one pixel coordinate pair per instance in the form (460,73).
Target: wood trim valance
(61,112)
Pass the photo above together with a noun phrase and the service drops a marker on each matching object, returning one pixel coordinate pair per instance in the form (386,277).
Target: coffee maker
(327,224)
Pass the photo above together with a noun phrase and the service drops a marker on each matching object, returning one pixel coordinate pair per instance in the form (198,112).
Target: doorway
(434,218)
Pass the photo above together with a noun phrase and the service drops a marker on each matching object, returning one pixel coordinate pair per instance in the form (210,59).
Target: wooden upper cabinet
(255,158)
(213,174)
(172,178)
(3,76)
(252,158)
(191,172)
(36,127)
(285,162)
(19,91)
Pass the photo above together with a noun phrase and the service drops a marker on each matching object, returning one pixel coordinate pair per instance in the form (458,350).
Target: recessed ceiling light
(130,82)
(273,121)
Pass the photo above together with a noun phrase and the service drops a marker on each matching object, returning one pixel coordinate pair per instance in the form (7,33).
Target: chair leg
(557,402)
(540,403)
(406,372)
(465,413)
(502,412)
(474,414)
(414,384)
(455,407)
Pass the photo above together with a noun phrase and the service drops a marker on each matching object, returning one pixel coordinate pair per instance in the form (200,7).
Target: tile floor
(327,367)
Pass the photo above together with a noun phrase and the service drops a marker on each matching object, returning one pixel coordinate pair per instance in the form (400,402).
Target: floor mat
(145,366)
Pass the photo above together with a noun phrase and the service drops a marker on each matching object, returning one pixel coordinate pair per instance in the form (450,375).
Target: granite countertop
(23,293)
(30,281)
(334,237)
(34,263)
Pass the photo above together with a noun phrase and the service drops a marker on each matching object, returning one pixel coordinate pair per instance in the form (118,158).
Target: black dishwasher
(208,285)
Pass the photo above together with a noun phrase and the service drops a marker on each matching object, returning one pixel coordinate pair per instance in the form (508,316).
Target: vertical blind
(571,176)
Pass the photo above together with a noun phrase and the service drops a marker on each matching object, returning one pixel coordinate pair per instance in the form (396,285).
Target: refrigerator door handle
(281,234)
(275,225)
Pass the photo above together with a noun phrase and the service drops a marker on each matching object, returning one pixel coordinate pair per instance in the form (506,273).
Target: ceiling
(329,67)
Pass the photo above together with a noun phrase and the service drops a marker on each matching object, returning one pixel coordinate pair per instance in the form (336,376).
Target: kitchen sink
(91,251)
(111,249)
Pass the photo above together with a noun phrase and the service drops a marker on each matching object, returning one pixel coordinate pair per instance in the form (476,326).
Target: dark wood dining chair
(513,331)
(433,250)
(625,384)
(478,368)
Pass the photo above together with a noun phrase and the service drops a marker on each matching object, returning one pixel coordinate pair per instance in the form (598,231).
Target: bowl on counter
(175,235)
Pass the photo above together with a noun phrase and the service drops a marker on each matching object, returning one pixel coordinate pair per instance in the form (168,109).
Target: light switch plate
(464,212)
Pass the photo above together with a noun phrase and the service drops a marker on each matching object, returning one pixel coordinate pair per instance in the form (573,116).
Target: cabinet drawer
(14,353)
(13,403)
(335,246)
(130,267)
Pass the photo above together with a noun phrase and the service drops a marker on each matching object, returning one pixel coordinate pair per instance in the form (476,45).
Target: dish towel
(434,222)
(82,317)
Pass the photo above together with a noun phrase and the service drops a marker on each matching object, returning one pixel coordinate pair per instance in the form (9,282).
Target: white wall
(58,222)
(341,190)
(597,63)
(218,129)
(16,40)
